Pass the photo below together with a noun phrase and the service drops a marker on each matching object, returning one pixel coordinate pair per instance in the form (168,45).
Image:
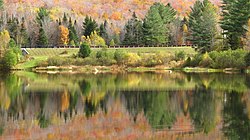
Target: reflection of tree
(203,109)
(156,106)
(236,123)
(85,87)
(43,121)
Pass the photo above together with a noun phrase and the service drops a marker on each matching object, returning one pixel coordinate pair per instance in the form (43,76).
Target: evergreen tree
(133,31)
(89,26)
(65,20)
(84,50)
(42,15)
(1,4)
(23,34)
(202,24)
(154,29)
(72,33)
(235,15)
(13,28)
(42,38)
(103,31)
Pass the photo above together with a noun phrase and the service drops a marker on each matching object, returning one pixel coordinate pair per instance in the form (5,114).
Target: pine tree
(103,31)
(23,34)
(1,4)
(154,29)
(84,50)
(42,15)
(65,19)
(72,33)
(235,15)
(89,26)
(13,28)
(133,31)
(248,36)
(202,24)
(42,38)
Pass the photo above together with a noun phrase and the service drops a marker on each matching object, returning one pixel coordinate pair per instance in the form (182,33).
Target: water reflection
(178,103)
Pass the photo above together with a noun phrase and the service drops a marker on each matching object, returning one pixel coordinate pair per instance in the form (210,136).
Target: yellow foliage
(65,101)
(248,35)
(4,39)
(4,101)
(185,28)
(63,35)
(133,59)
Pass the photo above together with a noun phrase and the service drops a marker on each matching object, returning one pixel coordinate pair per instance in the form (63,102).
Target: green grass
(31,63)
(53,52)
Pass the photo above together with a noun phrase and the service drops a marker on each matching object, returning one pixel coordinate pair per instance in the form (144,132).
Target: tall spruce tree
(73,38)
(156,24)
(235,15)
(42,38)
(133,31)
(202,24)
(154,30)
(89,26)
(103,31)
(23,34)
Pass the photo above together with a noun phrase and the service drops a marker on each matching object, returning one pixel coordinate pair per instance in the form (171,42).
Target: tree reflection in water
(166,101)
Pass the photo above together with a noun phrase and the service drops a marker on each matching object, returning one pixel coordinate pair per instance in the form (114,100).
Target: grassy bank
(39,55)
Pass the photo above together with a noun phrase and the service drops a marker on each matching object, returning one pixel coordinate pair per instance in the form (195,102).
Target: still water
(150,105)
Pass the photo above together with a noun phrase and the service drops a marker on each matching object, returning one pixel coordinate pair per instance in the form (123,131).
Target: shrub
(228,59)
(120,57)
(187,62)
(196,60)
(105,57)
(151,60)
(180,55)
(9,59)
(206,61)
(84,50)
(133,59)
(247,59)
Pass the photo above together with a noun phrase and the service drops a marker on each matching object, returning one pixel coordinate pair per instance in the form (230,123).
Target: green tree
(103,31)
(84,50)
(42,15)
(155,25)
(24,37)
(13,28)
(42,38)
(9,59)
(73,37)
(89,26)
(133,31)
(1,4)
(202,24)
(235,15)
(112,42)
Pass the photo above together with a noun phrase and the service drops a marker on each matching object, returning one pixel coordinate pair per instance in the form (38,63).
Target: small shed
(24,51)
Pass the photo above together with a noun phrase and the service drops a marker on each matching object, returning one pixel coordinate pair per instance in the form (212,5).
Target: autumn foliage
(63,35)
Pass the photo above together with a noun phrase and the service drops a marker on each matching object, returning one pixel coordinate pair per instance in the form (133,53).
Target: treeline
(161,25)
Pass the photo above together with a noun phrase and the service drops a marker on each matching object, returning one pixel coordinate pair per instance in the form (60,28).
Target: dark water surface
(127,106)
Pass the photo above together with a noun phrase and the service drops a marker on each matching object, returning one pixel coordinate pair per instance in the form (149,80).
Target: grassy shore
(37,55)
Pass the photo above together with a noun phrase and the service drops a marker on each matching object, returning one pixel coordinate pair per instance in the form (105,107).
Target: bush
(84,50)
(151,60)
(206,61)
(187,62)
(120,57)
(247,59)
(9,59)
(133,59)
(196,60)
(180,55)
(228,59)
(105,57)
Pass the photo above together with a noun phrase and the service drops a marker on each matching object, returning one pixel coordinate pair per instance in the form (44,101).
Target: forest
(211,25)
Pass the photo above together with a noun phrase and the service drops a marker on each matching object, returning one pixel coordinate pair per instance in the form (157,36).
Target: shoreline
(121,69)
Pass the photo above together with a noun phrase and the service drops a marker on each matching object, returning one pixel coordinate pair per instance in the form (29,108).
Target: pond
(132,105)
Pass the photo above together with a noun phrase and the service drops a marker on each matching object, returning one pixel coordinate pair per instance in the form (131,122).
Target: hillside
(117,10)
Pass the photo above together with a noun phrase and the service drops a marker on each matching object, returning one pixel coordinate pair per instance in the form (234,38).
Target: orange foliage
(63,35)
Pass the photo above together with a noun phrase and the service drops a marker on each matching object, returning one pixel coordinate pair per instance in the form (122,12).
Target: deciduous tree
(63,35)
